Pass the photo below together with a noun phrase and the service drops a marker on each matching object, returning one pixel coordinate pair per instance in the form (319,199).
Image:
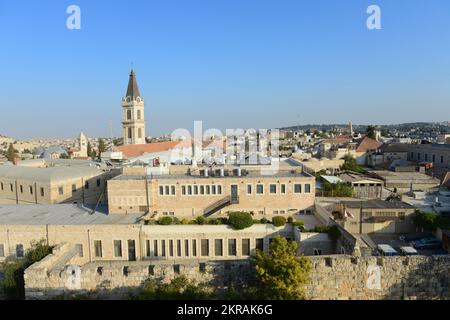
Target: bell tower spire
(133,122)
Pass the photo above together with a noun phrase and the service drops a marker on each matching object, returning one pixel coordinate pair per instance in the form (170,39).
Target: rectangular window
(259,189)
(194,248)
(11,187)
(208,189)
(218,244)
(21,189)
(155,248)
(418,156)
(297,188)
(31,190)
(131,250)
(434,158)
(2,250)
(179,248)
(117,248)
(307,188)
(426,156)
(171,248)
(231,247)
(163,248)
(245,247)
(176,268)
(283,189)
(401,216)
(189,190)
(42,192)
(273,189)
(79,249)
(147,243)
(213,190)
(98,248)
(172,190)
(98,183)
(202,189)
(205,247)
(161,190)
(61,191)
(183,190)
(86,185)
(219,189)
(202,267)
(249,189)
(196,190)
(442,159)
(260,244)
(151,270)
(19,251)
(74,188)
(186,248)
(167,189)
(1,184)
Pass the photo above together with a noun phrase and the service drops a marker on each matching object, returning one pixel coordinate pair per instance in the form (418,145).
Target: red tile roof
(368,144)
(136,150)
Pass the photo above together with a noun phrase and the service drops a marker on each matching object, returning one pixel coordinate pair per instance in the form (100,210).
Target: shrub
(216,222)
(200,220)
(299,224)
(264,221)
(290,220)
(165,221)
(279,221)
(240,220)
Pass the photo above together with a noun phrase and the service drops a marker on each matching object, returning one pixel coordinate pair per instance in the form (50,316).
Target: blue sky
(230,63)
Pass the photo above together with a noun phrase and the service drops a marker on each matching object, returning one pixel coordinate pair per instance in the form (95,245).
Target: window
(161,190)
(231,247)
(130,133)
(167,190)
(61,191)
(151,270)
(126,271)
(273,189)
(317,252)
(189,190)
(139,114)
(283,189)
(412,155)
(219,189)
(1,185)
(172,190)
(117,248)
(131,250)
(183,190)
(19,251)
(205,247)
(308,188)
(2,250)
(260,244)
(434,158)
(21,189)
(79,249)
(202,267)
(202,189)
(179,248)
(98,183)
(98,248)
(99,271)
(194,248)
(249,189)
(418,156)
(426,157)
(171,248)
(208,190)
(86,185)
(259,189)
(74,188)
(401,216)
(213,190)
(163,248)
(186,248)
(147,245)
(42,192)
(196,190)
(155,248)
(442,159)
(218,245)
(176,268)
(297,188)
(129,115)
(245,247)
(11,187)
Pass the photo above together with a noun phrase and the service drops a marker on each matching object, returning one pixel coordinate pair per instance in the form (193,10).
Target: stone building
(51,182)
(207,191)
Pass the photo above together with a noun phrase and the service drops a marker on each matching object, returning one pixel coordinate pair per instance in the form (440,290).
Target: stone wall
(332,277)
(373,278)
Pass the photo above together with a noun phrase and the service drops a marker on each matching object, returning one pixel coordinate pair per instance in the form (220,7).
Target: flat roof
(59,214)
(377,204)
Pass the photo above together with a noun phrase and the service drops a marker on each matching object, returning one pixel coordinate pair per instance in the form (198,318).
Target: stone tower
(133,122)
(83,145)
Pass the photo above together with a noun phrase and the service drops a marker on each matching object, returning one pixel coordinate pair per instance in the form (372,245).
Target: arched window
(129,133)
(128,114)
(139,114)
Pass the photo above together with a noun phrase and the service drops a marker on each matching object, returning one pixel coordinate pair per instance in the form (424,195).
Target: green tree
(180,288)
(281,275)
(240,220)
(279,221)
(11,153)
(101,147)
(338,189)
(351,165)
(13,283)
(370,132)
(90,152)
(430,221)
(165,221)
